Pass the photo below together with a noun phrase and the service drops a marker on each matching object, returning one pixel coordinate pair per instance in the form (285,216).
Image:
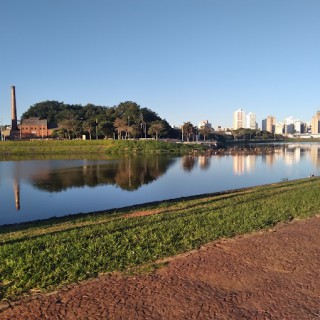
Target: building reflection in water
(130,173)
(243,164)
(315,155)
(292,154)
(204,162)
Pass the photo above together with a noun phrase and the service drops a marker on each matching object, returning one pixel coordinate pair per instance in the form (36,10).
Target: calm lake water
(40,189)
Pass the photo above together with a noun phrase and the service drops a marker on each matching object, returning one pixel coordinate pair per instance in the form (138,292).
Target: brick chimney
(14,120)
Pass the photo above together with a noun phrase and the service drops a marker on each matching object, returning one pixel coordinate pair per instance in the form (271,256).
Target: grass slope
(52,253)
(95,146)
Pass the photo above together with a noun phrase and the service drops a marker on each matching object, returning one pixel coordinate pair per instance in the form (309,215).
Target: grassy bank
(18,148)
(52,253)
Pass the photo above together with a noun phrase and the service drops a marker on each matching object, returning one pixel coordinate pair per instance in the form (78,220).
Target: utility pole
(96,129)
(182,132)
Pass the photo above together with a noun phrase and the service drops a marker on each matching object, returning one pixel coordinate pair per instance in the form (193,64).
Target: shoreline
(44,256)
(136,207)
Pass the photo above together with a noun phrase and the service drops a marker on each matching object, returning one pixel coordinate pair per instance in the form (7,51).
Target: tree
(88,126)
(205,131)
(187,130)
(128,111)
(71,125)
(45,110)
(133,118)
(156,128)
(121,126)
(134,130)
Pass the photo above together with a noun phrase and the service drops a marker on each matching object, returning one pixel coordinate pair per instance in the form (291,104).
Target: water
(40,189)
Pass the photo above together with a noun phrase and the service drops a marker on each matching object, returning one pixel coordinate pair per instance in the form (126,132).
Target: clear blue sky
(187,60)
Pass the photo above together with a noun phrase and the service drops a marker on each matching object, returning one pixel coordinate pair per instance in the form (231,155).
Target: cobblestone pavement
(266,275)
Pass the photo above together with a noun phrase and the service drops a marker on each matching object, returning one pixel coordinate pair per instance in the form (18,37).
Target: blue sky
(187,60)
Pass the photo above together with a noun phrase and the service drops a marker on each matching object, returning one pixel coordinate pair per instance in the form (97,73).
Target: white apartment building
(279,128)
(239,119)
(251,122)
(292,125)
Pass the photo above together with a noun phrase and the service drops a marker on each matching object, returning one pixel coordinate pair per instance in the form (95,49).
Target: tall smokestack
(14,120)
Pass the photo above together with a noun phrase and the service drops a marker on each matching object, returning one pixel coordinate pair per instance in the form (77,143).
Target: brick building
(35,128)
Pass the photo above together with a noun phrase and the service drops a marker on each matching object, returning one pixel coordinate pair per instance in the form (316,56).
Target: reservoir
(32,189)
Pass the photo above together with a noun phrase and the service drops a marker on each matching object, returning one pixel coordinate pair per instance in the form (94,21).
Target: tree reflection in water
(128,173)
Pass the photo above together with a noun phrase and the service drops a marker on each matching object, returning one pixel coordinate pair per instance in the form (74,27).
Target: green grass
(49,254)
(65,147)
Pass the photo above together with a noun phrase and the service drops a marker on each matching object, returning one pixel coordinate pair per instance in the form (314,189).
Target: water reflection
(16,188)
(129,174)
(45,188)
(243,164)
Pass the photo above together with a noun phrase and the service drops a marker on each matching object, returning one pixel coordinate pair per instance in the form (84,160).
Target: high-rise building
(271,124)
(315,123)
(264,124)
(279,128)
(239,119)
(299,127)
(251,121)
(289,125)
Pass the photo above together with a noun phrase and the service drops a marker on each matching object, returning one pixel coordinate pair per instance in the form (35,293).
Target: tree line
(127,120)
(124,121)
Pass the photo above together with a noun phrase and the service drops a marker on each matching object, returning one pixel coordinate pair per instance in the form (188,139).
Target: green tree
(156,128)
(70,124)
(45,110)
(121,126)
(187,130)
(88,126)
(205,131)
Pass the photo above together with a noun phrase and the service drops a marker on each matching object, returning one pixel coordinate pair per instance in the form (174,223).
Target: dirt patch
(269,275)
(142,213)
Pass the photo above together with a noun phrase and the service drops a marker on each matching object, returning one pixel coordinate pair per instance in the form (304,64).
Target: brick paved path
(270,275)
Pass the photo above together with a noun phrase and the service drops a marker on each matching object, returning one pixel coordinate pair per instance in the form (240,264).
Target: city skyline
(247,119)
(184,60)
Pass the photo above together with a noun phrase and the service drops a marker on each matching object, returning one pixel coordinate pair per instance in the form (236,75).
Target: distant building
(271,124)
(28,128)
(264,124)
(35,128)
(251,121)
(5,132)
(279,128)
(315,123)
(204,124)
(300,127)
(239,119)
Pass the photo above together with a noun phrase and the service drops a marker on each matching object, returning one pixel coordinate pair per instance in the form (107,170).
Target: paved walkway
(270,275)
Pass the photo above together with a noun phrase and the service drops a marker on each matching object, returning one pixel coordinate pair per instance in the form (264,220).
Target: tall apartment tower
(315,123)
(14,119)
(251,121)
(271,124)
(239,119)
